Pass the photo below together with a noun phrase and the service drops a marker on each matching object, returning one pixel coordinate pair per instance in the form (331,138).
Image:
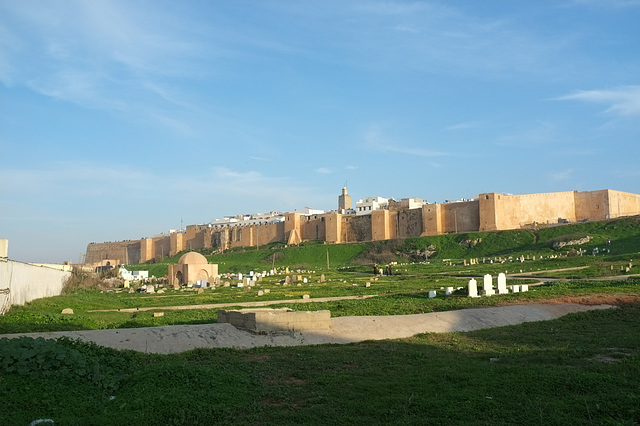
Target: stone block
(524,287)
(158,314)
(448,291)
(67,311)
(432,294)
(273,320)
(515,288)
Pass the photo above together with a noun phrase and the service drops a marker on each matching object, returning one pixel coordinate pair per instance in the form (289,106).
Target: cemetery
(380,339)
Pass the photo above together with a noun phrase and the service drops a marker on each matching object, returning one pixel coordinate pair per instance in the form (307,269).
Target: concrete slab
(180,338)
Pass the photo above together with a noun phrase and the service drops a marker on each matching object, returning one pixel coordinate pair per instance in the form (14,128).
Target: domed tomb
(192,258)
(192,268)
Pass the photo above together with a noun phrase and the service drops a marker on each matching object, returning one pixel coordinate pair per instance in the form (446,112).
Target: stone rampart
(489,212)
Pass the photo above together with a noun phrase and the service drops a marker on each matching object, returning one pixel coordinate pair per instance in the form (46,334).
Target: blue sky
(119,119)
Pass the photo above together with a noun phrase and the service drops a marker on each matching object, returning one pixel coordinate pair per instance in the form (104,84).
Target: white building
(412,203)
(133,275)
(367,205)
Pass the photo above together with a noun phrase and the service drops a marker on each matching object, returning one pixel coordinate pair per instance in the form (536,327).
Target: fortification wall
(409,223)
(591,205)
(460,217)
(490,212)
(623,203)
(356,228)
(517,211)
(431,219)
(122,251)
(333,227)
(313,227)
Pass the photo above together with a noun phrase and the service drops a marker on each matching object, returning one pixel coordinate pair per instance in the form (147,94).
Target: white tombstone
(448,291)
(432,294)
(487,285)
(239,277)
(524,287)
(260,292)
(240,284)
(473,288)
(515,288)
(502,283)
(150,288)
(250,273)
(304,280)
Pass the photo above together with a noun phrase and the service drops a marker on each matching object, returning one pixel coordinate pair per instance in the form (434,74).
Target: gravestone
(260,292)
(287,279)
(432,294)
(502,283)
(227,284)
(150,288)
(304,280)
(267,291)
(367,284)
(240,277)
(515,288)
(448,291)
(473,288)
(322,278)
(67,311)
(524,287)
(487,285)
(306,296)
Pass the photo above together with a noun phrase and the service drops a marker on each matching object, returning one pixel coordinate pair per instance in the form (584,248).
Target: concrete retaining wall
(266,320)
(26,282)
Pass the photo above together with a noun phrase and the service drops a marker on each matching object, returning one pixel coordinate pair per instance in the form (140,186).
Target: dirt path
(179,338)
(242,304)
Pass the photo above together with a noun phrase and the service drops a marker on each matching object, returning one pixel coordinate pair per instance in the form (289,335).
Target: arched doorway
(203,277)
(179,280)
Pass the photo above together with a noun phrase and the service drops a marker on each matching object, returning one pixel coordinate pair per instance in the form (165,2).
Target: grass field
(580,369)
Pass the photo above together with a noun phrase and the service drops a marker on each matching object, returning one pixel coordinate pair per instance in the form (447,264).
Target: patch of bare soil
(595,299)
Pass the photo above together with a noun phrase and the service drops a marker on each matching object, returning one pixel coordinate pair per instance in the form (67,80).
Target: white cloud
(462,126)
(621,101)
(561,175)
(375,140)
(324,170)
(542,133)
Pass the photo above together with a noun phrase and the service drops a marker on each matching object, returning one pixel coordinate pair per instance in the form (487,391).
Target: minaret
(344,200)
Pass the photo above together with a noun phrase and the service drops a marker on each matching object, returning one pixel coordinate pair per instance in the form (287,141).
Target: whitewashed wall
(28,282)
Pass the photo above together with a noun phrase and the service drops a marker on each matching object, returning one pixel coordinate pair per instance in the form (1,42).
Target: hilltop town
(375,219)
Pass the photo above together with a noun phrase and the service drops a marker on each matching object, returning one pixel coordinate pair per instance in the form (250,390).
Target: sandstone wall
(431,219)
(409,223)
(123,252)
(313,227)
(517,211)
(490,212)
(623,204)
(460,217)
